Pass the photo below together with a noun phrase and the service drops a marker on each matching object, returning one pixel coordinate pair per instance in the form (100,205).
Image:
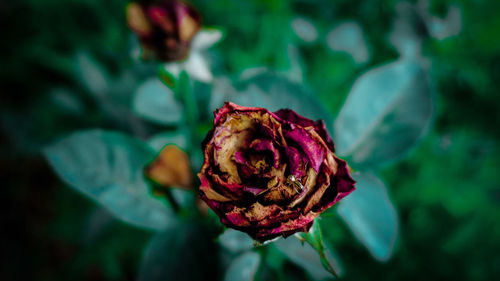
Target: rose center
(258,161)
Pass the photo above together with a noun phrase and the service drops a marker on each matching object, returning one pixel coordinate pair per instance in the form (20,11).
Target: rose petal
(246,167)
(240,158)
(188,21)
(296,160)
(279,194)
(227,140)
(237,219)
(339,186)
(160,17)
(291,116)
(209,193)
(137,20)
(315,151)
(235,109)
(171,168)
(287,228)
(321,129)
(254,190)
(345,183)
(229,189)
(261,145)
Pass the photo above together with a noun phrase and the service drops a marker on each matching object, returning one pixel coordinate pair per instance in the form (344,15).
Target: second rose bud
(165,27)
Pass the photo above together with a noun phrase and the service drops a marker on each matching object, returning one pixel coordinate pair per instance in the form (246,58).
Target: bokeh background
(446,190)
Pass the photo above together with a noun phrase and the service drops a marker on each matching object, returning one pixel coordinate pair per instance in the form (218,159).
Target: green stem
(186,94)
(175,206)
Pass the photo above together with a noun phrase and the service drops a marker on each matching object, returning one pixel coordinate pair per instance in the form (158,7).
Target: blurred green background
(447,190)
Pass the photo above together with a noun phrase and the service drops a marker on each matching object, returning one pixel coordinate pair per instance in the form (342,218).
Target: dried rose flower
(164,27)
(270,174)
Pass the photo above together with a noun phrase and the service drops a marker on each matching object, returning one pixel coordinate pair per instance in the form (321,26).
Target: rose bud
(165,27)
(270,174)
(170,169)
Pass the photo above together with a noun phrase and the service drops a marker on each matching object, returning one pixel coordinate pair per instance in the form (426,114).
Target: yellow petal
(137,20)
(188,28)
(171,168)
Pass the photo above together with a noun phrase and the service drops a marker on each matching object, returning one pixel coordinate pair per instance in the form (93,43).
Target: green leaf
(183,252)
(271,91)
(315,239)
(185,198)
(293,71)
(371,216)
(386,112)
(107,167)
(206,38)
(243,268)
(348,37)
(67,100)
(156,102)
(179,138)
(97,222)
(305,256)
(236,241)
(305,29)
(91,75)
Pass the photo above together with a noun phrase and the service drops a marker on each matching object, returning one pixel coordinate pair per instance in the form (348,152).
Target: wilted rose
(164,27)
(270,174)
